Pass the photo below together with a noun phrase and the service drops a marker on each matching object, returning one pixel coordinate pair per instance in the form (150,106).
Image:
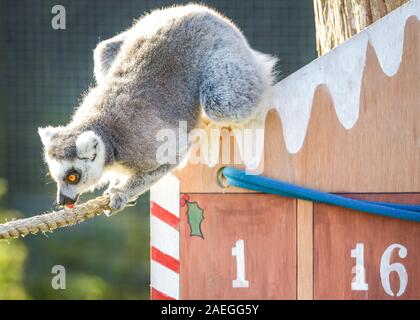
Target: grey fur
(172,65)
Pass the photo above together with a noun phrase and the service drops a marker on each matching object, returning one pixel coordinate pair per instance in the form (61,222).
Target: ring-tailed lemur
(172,65)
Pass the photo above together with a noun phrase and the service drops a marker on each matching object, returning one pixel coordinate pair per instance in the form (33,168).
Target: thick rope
(56,219)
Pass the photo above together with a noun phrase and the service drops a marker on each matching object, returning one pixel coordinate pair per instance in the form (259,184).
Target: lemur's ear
(47,134)
(87,145)
(104,54)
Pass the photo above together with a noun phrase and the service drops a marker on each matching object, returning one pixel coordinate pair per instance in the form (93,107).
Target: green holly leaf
(195,217)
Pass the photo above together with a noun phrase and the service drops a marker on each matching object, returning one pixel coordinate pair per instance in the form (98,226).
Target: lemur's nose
(64,200)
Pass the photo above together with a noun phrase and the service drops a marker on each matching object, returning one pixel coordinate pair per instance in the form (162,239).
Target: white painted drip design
(341,70)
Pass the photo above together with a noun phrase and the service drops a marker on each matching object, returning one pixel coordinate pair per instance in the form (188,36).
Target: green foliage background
(43,74)
(12,257)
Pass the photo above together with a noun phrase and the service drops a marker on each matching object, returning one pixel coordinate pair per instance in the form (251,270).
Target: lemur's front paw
(118,201)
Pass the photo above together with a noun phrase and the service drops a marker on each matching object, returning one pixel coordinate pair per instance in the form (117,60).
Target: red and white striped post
(164,222)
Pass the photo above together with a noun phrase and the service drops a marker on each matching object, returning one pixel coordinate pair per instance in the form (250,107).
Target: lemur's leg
(232,85)
(134,187)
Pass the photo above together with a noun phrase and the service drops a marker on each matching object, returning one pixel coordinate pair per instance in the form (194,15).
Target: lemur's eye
(73,177)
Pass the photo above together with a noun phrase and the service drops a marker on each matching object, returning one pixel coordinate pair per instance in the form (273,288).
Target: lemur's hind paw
(118,201)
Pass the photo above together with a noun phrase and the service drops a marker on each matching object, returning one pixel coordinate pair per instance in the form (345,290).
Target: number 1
(239,252)
(359,281)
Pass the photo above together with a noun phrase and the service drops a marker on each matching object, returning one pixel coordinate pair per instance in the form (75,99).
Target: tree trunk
(338,20)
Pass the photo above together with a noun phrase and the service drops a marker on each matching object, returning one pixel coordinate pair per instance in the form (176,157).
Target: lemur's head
(75,161)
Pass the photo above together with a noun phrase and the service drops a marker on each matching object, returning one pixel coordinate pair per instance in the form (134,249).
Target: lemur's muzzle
(63,200)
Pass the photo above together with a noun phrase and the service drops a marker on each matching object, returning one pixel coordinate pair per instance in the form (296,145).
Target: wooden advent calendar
(347,123)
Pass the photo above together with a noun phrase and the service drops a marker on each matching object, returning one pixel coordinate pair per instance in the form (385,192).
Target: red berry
(186,197)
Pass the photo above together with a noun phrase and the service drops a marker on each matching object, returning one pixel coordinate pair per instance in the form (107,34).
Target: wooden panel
(266,224)
(338,231)
(304,250)
(368,157)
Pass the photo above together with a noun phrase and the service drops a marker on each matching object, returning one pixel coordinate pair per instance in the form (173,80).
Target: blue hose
(241,179)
